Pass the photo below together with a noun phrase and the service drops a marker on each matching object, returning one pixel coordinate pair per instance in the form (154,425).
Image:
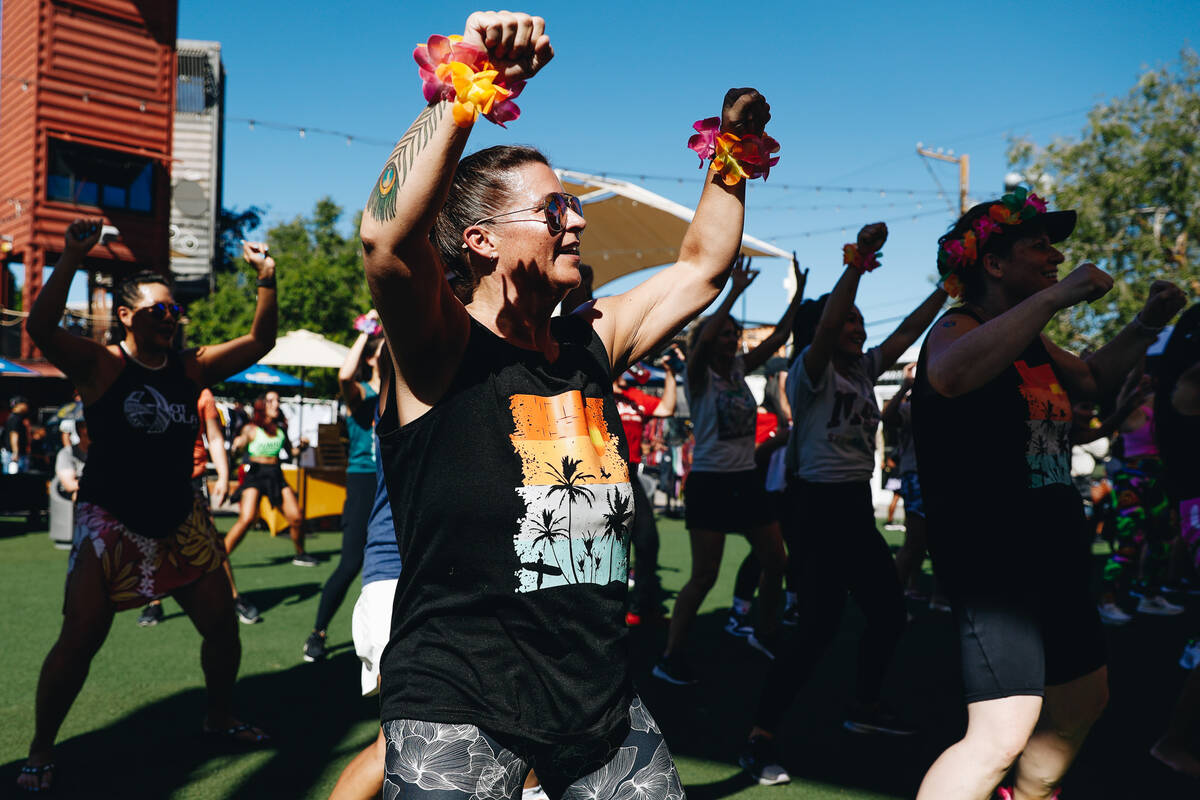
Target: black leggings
(645,548)
(360,495)
(843,553)
(748,574)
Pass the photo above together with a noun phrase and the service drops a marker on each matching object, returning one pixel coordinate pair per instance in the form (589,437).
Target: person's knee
(998,748)
(703,579)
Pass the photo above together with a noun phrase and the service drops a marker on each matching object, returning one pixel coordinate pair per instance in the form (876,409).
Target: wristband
(452,70)
(265,283)
(733,157)
(852,258)
(1142,327)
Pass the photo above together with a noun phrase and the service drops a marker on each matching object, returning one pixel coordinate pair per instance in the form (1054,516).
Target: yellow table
(322,493)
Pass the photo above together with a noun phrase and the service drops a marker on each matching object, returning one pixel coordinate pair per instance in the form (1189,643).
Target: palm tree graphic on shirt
(568,480)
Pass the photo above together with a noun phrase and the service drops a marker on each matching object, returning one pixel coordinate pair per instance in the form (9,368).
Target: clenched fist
(1163,302)
(1086,283)
(871,238)
(745,111)
(516,43)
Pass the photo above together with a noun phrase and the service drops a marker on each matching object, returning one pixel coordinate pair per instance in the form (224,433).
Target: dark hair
(129,293)
(999,244)
(701,324)
(481,182)
(260,416)
(371,350)
(804,326)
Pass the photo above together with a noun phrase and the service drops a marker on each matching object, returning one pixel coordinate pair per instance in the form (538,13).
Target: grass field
(135,730)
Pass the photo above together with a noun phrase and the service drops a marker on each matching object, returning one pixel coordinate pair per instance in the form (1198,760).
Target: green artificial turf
(135,729)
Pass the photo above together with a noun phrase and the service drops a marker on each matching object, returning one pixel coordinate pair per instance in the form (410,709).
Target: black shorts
(726,502)
(267,479)
(1024,609)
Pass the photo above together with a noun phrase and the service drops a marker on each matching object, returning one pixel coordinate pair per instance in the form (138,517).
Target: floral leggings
(1142,517)
(437,761)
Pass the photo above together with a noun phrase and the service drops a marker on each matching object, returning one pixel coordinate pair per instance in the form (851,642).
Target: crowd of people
(499,477)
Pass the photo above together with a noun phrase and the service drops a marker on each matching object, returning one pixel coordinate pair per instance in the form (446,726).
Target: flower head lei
(734,158)
(1014,208)
(453,70)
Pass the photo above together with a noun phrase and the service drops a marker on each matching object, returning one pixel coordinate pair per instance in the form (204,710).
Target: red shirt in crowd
(635,406)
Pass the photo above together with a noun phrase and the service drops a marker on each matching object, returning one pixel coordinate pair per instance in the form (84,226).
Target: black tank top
(513,509)
(140,460)
(995,463)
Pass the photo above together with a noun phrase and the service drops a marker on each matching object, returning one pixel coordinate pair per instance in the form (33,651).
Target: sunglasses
(555,205)
(159,311)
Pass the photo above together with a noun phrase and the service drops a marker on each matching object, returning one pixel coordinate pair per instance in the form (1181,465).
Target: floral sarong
(138,569)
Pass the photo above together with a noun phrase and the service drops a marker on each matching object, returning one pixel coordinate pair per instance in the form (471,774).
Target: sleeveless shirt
(263,445)
(140,460)
(513,509)
(360,430)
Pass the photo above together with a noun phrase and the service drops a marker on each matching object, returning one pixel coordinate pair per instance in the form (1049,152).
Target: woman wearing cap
(502,448)
(139,539)
(1032,646)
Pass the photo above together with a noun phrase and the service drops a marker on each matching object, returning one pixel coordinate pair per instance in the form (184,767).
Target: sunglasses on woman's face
(555,204)
(159,311)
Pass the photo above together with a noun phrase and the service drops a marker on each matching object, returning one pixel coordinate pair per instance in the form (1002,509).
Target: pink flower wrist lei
(735,158)
(851,257)
(460,73)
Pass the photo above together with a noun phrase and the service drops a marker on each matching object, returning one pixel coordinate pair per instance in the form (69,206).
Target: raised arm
(891,410)
(666,406)
(220,458)
(778,338)
(425,325)
(217,362)
(352,392)
(839,304)
(638,321)
(964,355)
(911,328)
(77,356)
(698,358)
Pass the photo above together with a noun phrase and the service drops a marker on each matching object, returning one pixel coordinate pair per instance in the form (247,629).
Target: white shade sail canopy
(631,228)
(302,348)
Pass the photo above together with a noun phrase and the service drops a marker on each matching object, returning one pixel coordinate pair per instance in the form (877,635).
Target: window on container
(196,89)
(92,176)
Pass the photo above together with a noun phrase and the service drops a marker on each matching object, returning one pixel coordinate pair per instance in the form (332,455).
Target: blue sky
(853,87)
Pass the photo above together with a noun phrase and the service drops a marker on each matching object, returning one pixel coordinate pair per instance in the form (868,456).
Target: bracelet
(452,70)
(265,283)
(1149,330)
(852,258)
(734,158)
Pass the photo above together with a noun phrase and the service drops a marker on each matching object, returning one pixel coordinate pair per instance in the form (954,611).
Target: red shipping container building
(87,101)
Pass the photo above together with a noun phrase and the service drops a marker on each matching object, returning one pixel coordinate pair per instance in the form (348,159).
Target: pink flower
(704,141)
(506,110)
(1038,203)
(441,50)
(985,227)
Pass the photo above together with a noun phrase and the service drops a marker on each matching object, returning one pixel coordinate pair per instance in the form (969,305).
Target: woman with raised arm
(725,493)
(1033,655)
(140,539)
(830,459)
(502,447)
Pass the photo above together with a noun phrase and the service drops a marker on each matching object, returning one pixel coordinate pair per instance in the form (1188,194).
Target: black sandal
(39,770)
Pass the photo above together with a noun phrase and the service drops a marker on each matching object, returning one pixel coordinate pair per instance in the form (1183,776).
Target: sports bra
(264,446)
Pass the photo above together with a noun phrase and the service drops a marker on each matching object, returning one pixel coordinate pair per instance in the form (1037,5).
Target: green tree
(321,288)
(1134,177)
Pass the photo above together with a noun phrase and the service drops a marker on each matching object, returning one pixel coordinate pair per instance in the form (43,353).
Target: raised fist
(82,235)
(871,238)
(259,256)
(1086,283)
(1163,302)
(516,43)
(745,111)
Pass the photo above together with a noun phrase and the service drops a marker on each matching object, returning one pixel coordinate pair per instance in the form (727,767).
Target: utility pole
(964,170)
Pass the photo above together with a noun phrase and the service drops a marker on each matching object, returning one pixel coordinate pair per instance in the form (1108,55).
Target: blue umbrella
(9,368)
(266,376)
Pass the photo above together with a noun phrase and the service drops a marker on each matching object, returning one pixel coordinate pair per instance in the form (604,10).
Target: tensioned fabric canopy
(302,348)
(631,228)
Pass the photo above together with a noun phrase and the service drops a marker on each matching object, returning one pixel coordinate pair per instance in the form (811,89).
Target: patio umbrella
(266,376)
(304,349)
(630,228)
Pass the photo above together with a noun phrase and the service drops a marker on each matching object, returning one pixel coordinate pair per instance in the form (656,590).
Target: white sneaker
(534,793)
(893,526)
(1113,614)
(1158,605)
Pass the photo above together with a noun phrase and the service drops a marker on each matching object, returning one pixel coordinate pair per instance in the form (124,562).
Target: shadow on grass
(160,748)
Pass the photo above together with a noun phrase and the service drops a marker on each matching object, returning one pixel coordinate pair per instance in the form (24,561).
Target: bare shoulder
(948,329)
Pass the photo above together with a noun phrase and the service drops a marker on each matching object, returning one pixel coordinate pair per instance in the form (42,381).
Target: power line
(845,228)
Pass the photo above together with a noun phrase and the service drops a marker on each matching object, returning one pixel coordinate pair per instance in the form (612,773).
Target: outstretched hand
(742,276)
(801,275)
(745,111)
(82,235)
(516,43)
(872,237)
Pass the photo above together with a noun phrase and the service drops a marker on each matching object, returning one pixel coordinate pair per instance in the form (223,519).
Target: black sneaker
(758,759)
(305,560)
(791,616)
(738,625)
(151,616)
(876,719)
(314,647)
(246,611)
(674,670)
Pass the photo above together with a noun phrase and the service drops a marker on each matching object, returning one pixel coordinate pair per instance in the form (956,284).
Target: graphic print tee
(513,510)
(723,416)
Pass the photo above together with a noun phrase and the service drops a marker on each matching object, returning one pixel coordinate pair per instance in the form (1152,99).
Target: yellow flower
(474,92)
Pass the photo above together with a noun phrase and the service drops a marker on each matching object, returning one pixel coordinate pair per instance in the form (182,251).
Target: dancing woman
(264,438)
(831,455)
(1033,655)
(502,446)
(140,539)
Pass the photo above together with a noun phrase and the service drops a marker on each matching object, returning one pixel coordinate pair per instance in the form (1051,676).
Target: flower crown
(1014,208)
(453,70)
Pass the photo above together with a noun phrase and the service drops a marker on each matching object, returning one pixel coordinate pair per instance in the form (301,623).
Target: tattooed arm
(425,325)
